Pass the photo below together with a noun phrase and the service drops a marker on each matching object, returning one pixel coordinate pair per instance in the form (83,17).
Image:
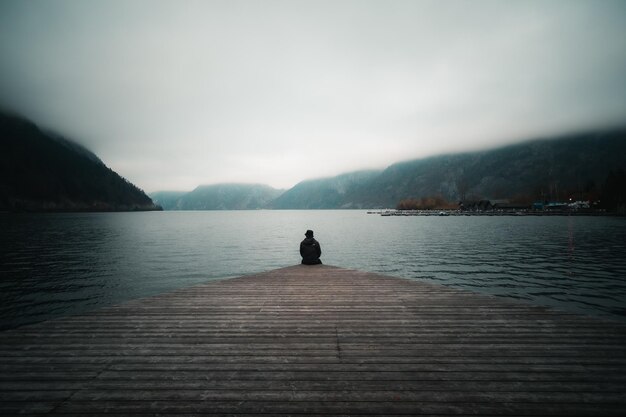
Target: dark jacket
(311,251)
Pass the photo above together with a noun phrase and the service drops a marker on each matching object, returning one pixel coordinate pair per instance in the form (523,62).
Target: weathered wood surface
(317,341)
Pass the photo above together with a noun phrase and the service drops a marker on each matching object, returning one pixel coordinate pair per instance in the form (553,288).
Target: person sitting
(310,250)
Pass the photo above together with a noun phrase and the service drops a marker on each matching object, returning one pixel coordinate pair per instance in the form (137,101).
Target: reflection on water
(54,264)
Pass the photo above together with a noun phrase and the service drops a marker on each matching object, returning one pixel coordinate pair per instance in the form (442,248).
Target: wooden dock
(316,340)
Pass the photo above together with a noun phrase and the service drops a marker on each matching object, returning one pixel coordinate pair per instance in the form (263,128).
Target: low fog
(176,94)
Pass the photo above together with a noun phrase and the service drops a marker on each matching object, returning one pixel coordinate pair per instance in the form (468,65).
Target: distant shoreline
(82,210)
(380,212)
(404,213)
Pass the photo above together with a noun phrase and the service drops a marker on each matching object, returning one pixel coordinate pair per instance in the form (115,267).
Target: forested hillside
(41,171)
(556,169)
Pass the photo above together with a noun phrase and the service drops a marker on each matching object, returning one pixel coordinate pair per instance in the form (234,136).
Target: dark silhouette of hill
(219,197)
(41,171)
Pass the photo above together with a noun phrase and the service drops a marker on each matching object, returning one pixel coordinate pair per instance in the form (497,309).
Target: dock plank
(316,340)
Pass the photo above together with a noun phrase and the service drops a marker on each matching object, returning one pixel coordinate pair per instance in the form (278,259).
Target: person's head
(309,233)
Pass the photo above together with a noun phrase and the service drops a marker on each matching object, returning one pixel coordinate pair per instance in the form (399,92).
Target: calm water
(57,264)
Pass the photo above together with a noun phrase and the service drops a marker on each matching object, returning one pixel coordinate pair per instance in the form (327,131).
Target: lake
(59,264)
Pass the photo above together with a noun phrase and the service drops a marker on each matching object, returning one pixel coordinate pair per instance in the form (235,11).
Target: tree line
(610,196)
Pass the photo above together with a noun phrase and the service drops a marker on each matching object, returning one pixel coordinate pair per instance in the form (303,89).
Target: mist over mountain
(219,197)
(550,169)
(42,171)
(325,193)
(575,166)
(167,199)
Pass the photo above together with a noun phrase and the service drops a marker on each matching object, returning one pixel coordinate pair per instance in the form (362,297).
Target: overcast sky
(174,94)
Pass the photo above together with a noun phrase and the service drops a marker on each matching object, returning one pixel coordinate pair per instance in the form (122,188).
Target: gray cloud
(175,94)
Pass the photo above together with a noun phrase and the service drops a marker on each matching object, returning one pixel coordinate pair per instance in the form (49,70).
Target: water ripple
(55,264)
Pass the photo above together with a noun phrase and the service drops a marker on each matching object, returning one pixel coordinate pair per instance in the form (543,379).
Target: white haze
(173,94)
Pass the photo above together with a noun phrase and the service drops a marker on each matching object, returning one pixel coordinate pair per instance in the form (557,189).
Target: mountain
(42,171)
(582,166)
(553,169)
(167,199)
(325,193)
(219,197)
